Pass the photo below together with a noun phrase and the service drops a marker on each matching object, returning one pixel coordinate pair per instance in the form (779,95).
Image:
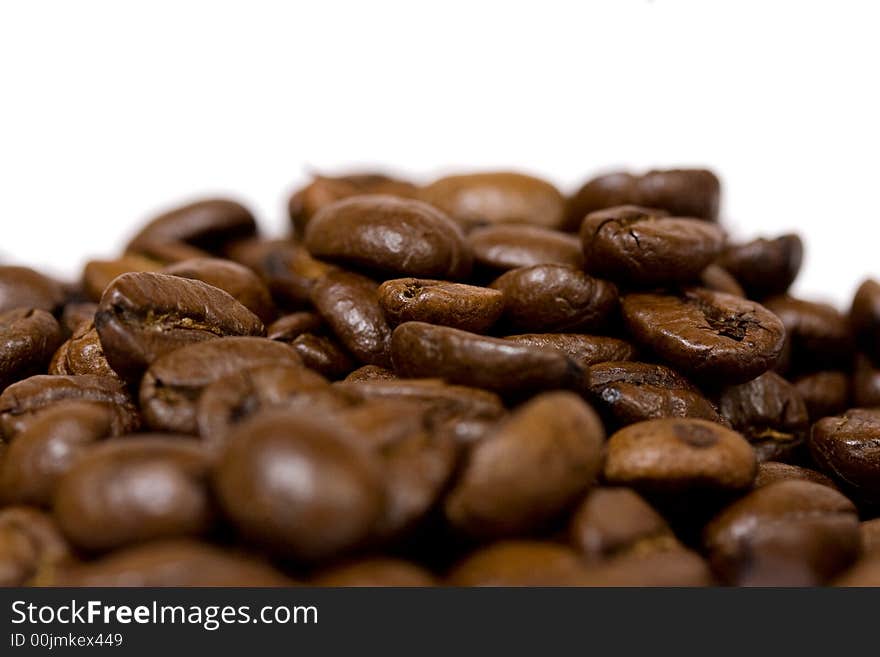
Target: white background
(110,111)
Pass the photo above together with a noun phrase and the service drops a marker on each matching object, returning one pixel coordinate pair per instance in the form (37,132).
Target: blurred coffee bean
(500,247)
(817,335)
(98,274)
(31,547)
(824,393)
(22,287)
(764,267)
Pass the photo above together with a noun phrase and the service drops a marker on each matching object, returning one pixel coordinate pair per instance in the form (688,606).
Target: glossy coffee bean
(391,235)
(502,493)
(289,327)
(376,571)
(714,277)
(142,316)
(82,354)
(28,338)
(679,454)
(171,386)
(497,197)
(585,350)
(134,489)
(323,354)
(865,385)
(555,298)
(299,485)
(764,267)
(371,373)
(817,335)
(460,357)
(98,274)
(642,246)
(465,307)
(349,304)
(824,393)
(238,281)
(787,533)
(770,412)
(865,318)
(194,230)
(43,451)
(31,546)
(847,447)
(509,246)
(681,192)
(770,472)
(22,287)
(520,563)
(708,334)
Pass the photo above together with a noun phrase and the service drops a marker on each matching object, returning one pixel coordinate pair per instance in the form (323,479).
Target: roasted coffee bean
(865,572)
(349,304)
(509,246)
(425,350)
(585,350)
(173,562)
(75,314)
(21,287)
(194,230)
(865,318)
(324,190)
(679,455)
(555,298)
(613,522)
(764,267)
(870,533)
(770,472)
(866,383)
(82,354)
(299,485)
(708,334)
(824,393)
(145,315)
(376,571)
(238,281)
(171,386)
(28,338)
(371,373)
(31,546)
(674,567)
(787,533)
(43,451)
(497,197)
(770,412)
(501,493)
(465,307)
(682,192)
(323,354)
(290,327)
(21,401)
(848,448)
(98,274)
(817,335)
(718,279)
(520,563)
(134,489)
(390,235)
(642,246)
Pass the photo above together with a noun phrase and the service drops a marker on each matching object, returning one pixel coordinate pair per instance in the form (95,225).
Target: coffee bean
(82,354)
(371,373)
(870,533)
(714,277)
(98,274)
(520,563)
(641,246)
(679,454)
(465,307)
(323,354)
(675,567)
(30,546)
(389,234)
(290,327)
(501,247)
(824,393)
(770,472)
(585,350)
(848,448)
(75,314)
(708,334)
(21,287)
(764,267)
(865,383)
(28,338)
(555,298)
(865,318)
(145,315)
(817,335)
(865,572)
(376,571)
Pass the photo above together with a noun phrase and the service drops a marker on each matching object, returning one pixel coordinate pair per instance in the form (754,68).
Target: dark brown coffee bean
(600,375)
(555,298)
(43,451)
(682,192)
(708,334)
(349,304)
(194,230)
(585,350)
(764,267)
(238,281)
(376,571)
(77,313)
(323,355)
(391,235)
(173,562)
(787,533)
(718,279)
(870,533)
(497,197)
(642,246)
(82,354)
(299,485)
(509,246)
(420,350)
(865,318)
(848,448)
(20,401)
(613,522)
(371,373)
(770,472)
(290,327)
(530,469)
(824,393)
(866,383)
(771,414)
(520,563)
(465,307)
(171,386)
(135,489)
(679,454)
(28,338)
(145,315)
(817,335)
(21,287)
(98,274)
(31,546)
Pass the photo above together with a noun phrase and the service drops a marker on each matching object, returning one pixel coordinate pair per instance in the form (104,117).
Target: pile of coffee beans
(477,381)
